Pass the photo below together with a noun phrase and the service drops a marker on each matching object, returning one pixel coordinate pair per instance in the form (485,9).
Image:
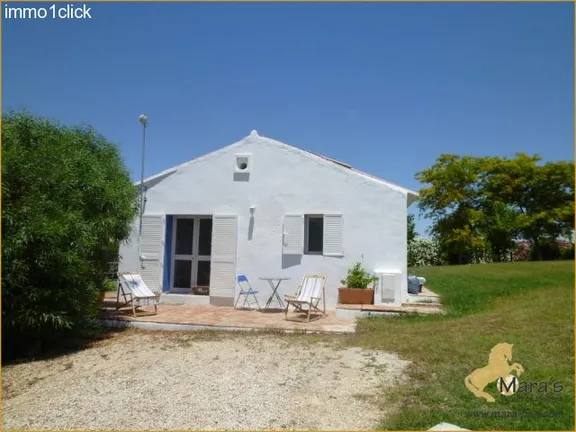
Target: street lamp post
(144,121)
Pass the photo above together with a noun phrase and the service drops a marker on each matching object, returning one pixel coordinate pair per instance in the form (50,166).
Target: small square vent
(242,163)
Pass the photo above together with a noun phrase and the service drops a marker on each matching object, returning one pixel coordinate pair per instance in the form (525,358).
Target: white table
(274,284)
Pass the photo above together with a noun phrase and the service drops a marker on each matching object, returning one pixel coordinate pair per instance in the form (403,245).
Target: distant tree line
(494,209)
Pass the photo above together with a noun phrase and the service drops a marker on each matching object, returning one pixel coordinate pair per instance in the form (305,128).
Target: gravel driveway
(145,380)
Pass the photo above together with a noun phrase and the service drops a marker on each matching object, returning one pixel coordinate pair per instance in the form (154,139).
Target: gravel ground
(150,381)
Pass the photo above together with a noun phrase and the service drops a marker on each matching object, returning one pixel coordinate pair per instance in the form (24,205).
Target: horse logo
(498,369)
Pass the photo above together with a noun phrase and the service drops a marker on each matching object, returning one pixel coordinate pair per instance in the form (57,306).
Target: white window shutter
(293,235)
(223,265)
(152,251)
(333,228)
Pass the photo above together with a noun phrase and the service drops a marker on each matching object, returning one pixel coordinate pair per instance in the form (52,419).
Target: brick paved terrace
(227,317)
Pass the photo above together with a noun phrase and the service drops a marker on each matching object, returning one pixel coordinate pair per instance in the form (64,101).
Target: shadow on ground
(59,344)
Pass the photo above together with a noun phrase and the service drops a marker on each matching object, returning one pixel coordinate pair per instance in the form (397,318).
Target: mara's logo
(498,369)
(507,386)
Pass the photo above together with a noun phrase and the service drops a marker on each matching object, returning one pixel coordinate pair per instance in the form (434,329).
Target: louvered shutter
(223,265)
(293,235)
(333,228)
(152,251)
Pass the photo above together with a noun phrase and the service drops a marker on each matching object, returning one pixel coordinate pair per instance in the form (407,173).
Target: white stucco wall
(284,180)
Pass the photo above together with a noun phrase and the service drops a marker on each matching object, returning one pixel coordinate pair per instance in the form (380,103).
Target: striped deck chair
(309,294)
(135,292)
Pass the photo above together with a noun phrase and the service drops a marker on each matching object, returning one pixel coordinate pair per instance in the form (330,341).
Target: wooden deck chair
(135,292)
(310,292)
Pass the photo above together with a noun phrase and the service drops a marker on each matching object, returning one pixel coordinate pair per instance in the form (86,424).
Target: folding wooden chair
(135,292)
(309,294)
(245,290)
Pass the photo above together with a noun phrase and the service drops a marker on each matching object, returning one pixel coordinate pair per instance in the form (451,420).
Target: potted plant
(105,286)
(356,290)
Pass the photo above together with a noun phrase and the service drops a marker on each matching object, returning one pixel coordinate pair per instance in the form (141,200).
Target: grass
(111,285)
(530,305)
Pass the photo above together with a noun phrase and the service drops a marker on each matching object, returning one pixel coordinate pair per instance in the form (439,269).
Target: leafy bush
(567,251)
(67,201)
(423,252)
(550,250)
(358,277)
(522,251)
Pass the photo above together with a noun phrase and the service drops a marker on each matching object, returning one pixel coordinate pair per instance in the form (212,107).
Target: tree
(499,227)
(540,195)
(487,203)
(411,229)
(411,232)
(451,200)
(67,199)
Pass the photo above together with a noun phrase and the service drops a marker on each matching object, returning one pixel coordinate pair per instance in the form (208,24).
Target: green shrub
(423,252)
(358,277)
(67,200)
(567,252)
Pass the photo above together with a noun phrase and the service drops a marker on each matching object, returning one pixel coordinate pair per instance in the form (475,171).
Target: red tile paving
(221,316)
(228,317)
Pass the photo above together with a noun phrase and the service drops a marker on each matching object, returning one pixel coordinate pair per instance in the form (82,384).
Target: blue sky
(386,87)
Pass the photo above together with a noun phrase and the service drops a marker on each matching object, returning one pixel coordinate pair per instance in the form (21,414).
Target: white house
(266,209)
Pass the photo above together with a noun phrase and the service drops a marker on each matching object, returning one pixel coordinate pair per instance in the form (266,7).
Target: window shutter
(293,235)
(152,251)
(333,227)
(223,265)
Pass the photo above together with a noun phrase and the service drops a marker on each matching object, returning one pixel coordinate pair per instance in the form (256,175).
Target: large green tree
(539,195)
(451,202)
(499,226)
(67,199)
(480,204)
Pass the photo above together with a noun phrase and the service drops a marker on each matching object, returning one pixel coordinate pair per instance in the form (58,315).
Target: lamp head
(143,119)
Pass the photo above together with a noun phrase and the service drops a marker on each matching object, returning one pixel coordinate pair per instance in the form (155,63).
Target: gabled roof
(411,195)
(362,173)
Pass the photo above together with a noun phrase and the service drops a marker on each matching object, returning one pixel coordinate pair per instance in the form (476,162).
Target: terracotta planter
(355,295)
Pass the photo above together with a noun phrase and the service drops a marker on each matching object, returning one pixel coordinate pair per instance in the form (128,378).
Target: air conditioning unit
(389,287)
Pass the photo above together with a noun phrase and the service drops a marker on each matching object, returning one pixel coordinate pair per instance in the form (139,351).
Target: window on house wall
(314,234)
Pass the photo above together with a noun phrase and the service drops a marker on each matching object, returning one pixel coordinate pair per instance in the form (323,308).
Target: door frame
(194,257)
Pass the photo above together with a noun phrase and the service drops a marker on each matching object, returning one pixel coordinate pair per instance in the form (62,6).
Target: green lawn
(530,305)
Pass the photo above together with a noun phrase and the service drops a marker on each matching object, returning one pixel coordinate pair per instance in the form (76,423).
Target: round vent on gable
(242,163)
